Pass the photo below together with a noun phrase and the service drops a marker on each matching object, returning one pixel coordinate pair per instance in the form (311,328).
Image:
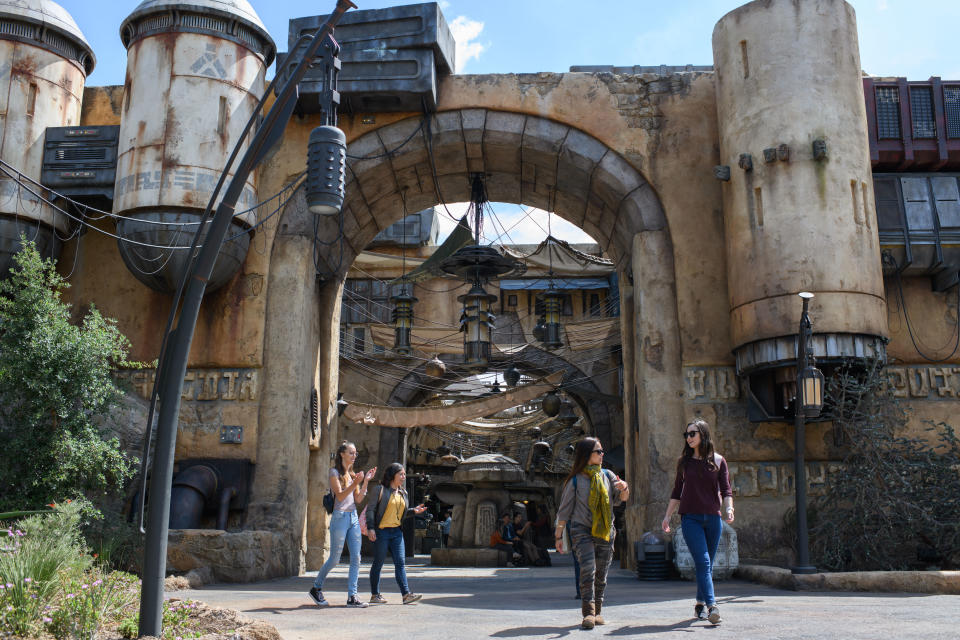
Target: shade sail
(409,417)
(542,284)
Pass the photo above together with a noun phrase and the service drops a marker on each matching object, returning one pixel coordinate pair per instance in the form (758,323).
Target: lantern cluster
(476,323)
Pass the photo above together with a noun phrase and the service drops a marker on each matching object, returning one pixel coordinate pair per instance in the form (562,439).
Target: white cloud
(464,32)
(444,4)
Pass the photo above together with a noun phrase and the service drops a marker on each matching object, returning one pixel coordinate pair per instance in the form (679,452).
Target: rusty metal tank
(195,72)
(798,207)
(44,63)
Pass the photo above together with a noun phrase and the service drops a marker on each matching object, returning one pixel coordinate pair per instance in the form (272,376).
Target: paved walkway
(538,602)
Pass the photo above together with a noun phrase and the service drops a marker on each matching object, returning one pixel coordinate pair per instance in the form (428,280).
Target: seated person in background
(523,542)
(503,538)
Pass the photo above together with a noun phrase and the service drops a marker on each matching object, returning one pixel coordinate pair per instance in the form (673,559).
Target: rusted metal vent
(80,161)
(233,20)
(47,25)
(161,268)
(390,58)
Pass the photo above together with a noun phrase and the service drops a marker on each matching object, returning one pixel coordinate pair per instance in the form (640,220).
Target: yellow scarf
(599,502)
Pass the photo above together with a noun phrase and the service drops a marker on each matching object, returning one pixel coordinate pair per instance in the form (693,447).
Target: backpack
(496,538)
(328,501)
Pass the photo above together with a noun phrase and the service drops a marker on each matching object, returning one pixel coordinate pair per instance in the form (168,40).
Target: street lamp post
(809,400)
(173,358)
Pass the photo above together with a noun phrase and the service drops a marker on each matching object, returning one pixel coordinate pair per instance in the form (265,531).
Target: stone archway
(527,160)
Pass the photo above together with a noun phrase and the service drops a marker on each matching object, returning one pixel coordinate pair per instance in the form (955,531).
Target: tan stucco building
(715,195)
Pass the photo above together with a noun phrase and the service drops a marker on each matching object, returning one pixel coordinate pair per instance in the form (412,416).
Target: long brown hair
(339,461)
(705,450)
(581,456)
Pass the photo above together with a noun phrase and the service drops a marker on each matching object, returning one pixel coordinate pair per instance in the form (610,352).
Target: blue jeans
(344,527)
(701,531)
(392,538)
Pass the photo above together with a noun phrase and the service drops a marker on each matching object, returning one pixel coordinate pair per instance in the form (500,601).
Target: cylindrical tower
(798,207)
(195,72)
(44,62)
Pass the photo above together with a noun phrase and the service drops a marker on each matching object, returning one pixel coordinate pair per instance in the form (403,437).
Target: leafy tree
(54,378)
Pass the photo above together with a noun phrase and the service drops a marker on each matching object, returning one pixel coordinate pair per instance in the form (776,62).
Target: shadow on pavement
(523,632)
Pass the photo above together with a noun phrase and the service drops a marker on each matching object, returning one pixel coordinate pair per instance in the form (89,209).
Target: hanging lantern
(552,303)
(512,376)
(566,417)
(550,404)
(810,386)
(477,324)
(535,433)
(402,321)
(326,159)
(435,368)
(496,385)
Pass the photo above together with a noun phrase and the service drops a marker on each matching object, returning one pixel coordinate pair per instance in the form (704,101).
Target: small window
(512,300)
(951,103)
(567,305)
(596,311)
(359,344)
(31,99)
(921,112)
(222,116)
(888,112)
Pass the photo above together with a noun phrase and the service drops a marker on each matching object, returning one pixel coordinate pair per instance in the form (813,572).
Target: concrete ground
(538,602)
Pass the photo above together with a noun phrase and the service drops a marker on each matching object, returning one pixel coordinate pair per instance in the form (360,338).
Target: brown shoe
(597,618)
(588,615)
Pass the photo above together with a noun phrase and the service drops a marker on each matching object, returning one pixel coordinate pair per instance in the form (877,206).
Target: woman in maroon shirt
(702,478)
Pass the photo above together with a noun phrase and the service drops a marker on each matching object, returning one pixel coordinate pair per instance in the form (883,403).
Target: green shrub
(89,602)
(175,621)
(54,378)
(34,555)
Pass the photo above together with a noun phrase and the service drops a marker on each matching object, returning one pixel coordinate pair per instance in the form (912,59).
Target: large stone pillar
(798,209)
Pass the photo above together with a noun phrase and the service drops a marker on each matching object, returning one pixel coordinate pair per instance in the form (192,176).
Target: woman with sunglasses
(702,479)
(348,489)
(589,495)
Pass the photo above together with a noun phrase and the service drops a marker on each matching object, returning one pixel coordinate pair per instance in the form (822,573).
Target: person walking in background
(589,495)
(702,478)
(445,529)
(389,508)
(348,489)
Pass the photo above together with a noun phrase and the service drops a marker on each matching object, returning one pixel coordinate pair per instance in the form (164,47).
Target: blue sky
(912,38)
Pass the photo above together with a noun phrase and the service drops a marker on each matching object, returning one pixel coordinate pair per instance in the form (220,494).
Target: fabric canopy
(592,333)
(409,417)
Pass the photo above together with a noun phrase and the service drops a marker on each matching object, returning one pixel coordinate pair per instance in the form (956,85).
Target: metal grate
(921,110)
(888,112)
(81,153)
(18,29)
(198,21)
(951,103)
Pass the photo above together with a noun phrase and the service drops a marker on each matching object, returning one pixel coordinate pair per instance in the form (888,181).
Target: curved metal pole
(173,365)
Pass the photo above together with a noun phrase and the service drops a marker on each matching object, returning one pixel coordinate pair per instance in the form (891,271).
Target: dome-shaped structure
(47,61)
(488,468)
(195,74)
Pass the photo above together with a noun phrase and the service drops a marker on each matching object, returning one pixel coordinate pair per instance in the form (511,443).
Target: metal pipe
(223,509)
(799,467)
(174,363)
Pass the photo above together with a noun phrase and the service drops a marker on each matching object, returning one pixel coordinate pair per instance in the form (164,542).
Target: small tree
(895,503)
(54,377)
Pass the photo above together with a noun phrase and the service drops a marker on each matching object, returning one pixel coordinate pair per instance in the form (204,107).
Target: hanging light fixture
(477,265)
(435,368)
(550,404)
(402,320)
(476,323)
(496,385)
(512,376)
(552,302)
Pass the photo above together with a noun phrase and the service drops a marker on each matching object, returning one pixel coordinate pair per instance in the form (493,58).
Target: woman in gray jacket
(589,495)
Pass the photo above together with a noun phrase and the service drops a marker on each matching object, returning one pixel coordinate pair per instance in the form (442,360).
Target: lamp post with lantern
(809,401)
